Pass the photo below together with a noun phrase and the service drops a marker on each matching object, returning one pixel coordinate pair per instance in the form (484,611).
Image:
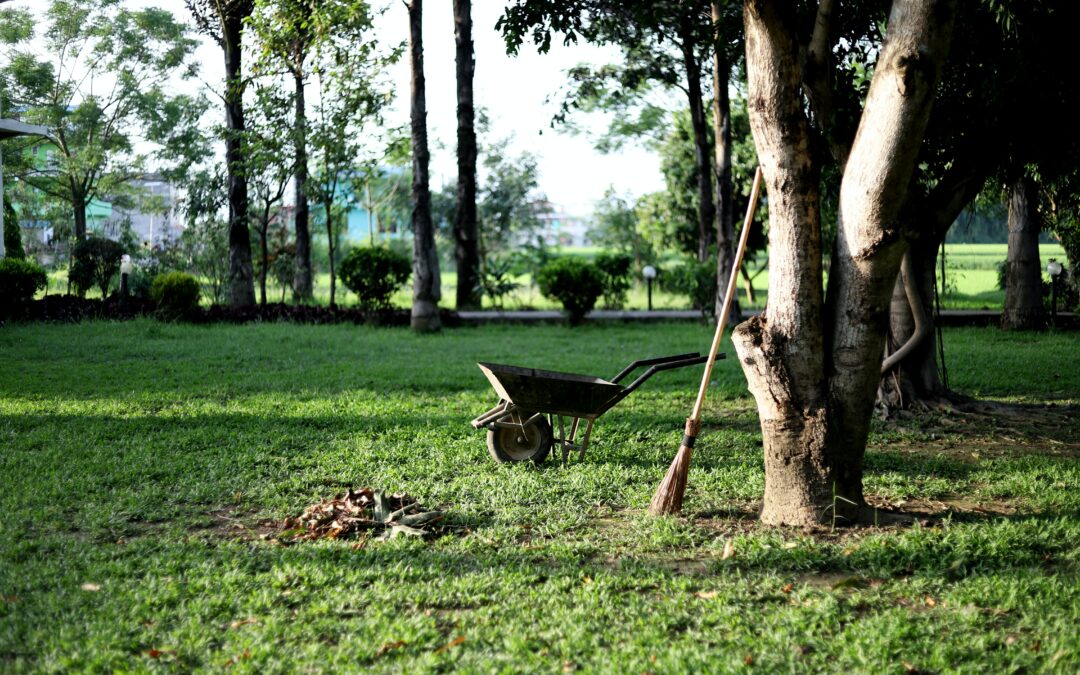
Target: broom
(669,496)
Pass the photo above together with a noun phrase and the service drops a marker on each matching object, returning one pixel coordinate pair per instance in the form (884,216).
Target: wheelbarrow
(532,402)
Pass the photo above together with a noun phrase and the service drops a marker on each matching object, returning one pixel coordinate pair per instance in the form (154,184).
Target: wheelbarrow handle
(663,365)
(655,361)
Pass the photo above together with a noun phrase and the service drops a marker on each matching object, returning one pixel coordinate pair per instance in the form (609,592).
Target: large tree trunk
(264,255)
(813,370)
(241,278)
(426,292)
(706,207)
(725,210)
(782,350)
(78,207)
(465,249)
(1023,271)
(302,286)
(331,240)
(915,378)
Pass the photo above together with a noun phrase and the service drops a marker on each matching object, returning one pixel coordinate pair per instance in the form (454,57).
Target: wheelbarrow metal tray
(549,391)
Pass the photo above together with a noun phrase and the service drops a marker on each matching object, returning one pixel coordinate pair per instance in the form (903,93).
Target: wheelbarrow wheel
(513,444)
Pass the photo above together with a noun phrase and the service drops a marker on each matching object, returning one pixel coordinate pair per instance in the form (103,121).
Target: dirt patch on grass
(235,522)
(988,429)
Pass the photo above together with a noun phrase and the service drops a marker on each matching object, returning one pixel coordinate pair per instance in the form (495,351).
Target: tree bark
(1023,270)
(706,207)
(264,254)
(426,291)
(813,370)
(725,210)
(241,278)
(782,349)
(465,249)
(302,286)
(916,378)
(331,240)
(78,206)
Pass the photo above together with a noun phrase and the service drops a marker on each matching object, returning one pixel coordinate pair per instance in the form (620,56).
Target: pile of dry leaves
(361,513)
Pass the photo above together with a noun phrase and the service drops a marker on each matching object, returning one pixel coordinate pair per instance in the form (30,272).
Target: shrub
(374,273)
(13,246)
(19,281)
(176,294)
(94,262)
(496,281)
(573,282)
(615,269)
(695,280)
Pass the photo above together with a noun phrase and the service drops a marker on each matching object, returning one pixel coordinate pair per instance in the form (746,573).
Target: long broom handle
(732,279)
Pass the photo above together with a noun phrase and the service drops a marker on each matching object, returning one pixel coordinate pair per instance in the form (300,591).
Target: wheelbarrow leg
(564,442)
(585,440)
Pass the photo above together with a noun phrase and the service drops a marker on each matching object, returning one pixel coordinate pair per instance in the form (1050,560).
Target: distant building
(154,218)
(560,227)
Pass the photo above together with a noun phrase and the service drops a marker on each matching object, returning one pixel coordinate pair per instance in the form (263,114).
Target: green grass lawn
(140,462)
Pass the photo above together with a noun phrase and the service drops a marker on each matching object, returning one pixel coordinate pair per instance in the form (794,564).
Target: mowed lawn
(141,464)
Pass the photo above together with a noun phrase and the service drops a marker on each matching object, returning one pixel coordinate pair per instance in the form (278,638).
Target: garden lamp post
(649,272)
(125,270)
(1053,268)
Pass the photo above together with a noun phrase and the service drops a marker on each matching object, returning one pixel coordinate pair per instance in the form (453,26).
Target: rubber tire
(498,439)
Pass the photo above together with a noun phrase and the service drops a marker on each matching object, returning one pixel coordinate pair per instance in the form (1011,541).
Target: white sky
(511,89)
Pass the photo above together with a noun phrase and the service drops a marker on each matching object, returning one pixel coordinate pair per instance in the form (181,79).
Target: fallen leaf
(569,666)
(748,660)
(706,595)
(10,598)
(847,551)
(791,544)
(450,645)
(729,550)
(909,666)
(389,647)
(787,588)
(243,622)
(91,587)
(586,580)
(930,601)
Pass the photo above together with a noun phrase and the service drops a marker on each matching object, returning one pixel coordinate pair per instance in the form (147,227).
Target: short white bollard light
(649,272)
(125,270)
(1054,269)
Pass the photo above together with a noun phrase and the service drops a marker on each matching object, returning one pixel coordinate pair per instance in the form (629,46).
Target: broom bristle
(669,496)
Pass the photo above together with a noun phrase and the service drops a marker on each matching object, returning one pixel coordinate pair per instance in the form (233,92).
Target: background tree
(426,282)
(349,68)
(287,36)
(664,45)
(223,20)
(105,73)
(466,247)
(269,166)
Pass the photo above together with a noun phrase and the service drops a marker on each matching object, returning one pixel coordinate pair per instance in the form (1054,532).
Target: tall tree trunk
(78,207)
(426,291)
(782,349)
(706,207)
(331,240)
(813,370)
(241,278)
(264,255)
(465,249)
(916,378)
(1023,271)
(725,210)
(302,286)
